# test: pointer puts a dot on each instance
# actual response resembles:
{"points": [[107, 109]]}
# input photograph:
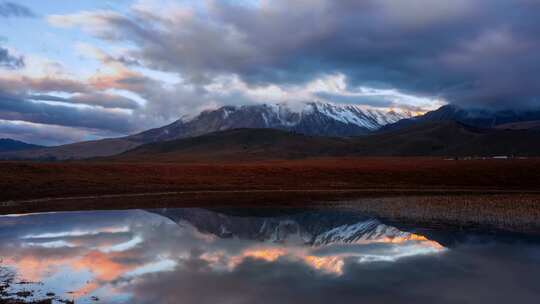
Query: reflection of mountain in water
{"points": [[312, 227]]}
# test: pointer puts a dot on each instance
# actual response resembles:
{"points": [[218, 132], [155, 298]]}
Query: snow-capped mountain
{"points": [[314, 118]]}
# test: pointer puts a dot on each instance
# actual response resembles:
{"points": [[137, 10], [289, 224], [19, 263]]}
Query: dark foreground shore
{"points": [[485, 194], [517, 213]]}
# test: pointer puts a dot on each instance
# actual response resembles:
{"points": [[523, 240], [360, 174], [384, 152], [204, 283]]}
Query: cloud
{"points": [[47, 135], [97, 102], [469, 53], [57, 109], [10, 61], [16, 108], [375, 101], [14, 10], [22, 84], [94, 99]]}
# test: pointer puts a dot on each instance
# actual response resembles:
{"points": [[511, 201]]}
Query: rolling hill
{"points": [[445, 138], [240, 144], [10, 145]]}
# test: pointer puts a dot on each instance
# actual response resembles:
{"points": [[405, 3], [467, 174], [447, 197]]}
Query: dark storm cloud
{"points": [[34, 92], [476, 53], [32, 99], [11, 9], [10, 61], [16, 108]]}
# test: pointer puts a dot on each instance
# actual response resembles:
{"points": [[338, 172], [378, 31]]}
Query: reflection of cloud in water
{"points": [[76, 233], [136, 256], [331, 258]]}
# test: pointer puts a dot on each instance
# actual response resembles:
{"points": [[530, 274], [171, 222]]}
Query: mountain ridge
{"points": [[473, 117], [447, 131], [442, 139]]}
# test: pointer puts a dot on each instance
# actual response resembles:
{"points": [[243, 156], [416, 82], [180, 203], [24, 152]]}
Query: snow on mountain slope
{"points": [[314, 118], [274, 115], [361, 116]]}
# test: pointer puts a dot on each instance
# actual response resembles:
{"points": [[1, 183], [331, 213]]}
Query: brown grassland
{"points": [[502, 194]]}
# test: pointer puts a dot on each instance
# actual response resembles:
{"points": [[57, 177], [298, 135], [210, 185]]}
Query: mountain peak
{"points": [[311, 118]]}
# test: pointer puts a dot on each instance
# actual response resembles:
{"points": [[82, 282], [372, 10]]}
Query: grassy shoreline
{"points": [[503, 194], [30, 180]]}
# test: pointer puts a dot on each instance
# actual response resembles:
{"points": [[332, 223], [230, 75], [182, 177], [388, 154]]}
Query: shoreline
{"points": [[499, 194], [512, 212]]}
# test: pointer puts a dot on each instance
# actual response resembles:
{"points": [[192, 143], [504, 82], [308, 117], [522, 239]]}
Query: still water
{"points": [[246, 256]]}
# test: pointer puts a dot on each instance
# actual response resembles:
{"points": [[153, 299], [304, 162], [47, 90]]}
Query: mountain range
{"points": [[315, 118], [316, 129], [445, 139]]}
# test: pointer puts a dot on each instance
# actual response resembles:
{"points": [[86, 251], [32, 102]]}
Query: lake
{"points": [[194, 255]]}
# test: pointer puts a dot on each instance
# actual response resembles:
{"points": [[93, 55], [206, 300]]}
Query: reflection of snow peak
{"points": [[363, 242], [323, 240], [371, 231]]}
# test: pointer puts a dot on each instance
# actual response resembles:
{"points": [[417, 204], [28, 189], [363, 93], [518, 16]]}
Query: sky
{"points": [[80, 70]]}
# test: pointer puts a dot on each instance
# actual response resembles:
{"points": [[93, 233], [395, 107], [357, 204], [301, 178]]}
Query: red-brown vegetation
{"points": [[502, 193], [29, 180]]}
